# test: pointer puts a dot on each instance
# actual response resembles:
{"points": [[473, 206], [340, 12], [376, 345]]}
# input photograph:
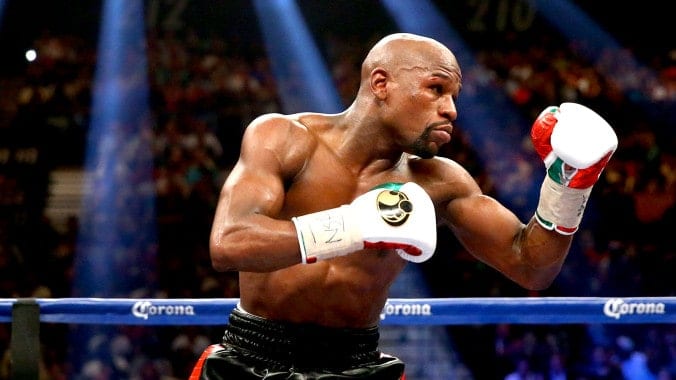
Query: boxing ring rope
{"points": [[26, 315], [397, 311]]}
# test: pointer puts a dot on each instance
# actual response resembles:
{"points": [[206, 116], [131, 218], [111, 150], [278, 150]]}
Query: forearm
{"points": [[392, 216], [541, 254], [257, 244], [575, 144]]}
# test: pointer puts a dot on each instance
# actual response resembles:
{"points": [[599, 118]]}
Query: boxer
{"points": [[323, 211]]}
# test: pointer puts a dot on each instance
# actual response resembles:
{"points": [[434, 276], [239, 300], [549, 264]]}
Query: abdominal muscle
{"points": [[347, 292]]}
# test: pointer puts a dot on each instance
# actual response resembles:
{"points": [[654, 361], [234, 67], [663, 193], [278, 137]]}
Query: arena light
{"points": [[31, 55], [485, 114], [117, 234], [115, 252], [304, 83]]}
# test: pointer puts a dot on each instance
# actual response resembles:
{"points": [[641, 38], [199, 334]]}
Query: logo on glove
{"points": [[394, 207]]}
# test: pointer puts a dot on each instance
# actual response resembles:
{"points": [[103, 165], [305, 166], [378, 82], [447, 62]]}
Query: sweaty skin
{"points": [[297, 164]]}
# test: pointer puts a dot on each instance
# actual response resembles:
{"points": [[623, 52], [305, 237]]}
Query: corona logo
{"points": [[617, 307], [406, 309], [146, 309]]}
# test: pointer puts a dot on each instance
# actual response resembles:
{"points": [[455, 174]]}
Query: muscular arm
{"points": [[245, 235], [526, 253], [531, 255]]}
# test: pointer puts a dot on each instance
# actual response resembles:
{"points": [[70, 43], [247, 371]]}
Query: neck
{"points": [[365, 142]]}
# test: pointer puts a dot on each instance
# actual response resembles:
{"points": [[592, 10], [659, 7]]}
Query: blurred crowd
{"points": [[204, 91]]}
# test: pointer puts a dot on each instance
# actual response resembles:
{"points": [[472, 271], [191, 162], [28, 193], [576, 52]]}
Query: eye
{"points": [[438, 89]]}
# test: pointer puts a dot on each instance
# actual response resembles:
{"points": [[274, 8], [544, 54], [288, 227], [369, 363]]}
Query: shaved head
{"points": [[408, 88], [408, 51]]}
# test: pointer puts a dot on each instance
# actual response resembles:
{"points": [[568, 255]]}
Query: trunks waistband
{"points": [[301, 345]]}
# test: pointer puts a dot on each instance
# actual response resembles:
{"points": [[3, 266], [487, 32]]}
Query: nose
{"points": [[447, 108]]}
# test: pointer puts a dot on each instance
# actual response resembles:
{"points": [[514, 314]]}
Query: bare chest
{"points": [[326, 184]]}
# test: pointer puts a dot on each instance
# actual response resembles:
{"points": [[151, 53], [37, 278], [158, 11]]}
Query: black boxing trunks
{"points": [[256, 348]]}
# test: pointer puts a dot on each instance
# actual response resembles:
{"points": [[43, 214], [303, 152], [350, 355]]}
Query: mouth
{"points": [[441, 134]]}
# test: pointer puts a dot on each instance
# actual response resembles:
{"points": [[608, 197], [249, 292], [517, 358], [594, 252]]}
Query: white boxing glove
{"points": [[581, 137], [575, 144], [390, 216]]}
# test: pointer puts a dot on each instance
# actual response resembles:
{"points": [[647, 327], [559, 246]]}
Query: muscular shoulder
{"points": [[444, 179], [279, 137], [276, 128]]}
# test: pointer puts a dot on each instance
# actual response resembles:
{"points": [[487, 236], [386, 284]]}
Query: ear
{"points": [[379, 79]]}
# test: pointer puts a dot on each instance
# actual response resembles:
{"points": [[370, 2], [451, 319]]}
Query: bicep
{"points": [[247, 232], [252, 188], [256, 184], [487, 229]]}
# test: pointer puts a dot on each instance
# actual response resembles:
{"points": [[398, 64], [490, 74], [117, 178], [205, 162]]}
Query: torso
{"points": [[348, 291]]}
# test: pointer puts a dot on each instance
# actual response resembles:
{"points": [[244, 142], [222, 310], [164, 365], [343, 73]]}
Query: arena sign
{"points": [[146, 309], [618, 307], [406, 309]]}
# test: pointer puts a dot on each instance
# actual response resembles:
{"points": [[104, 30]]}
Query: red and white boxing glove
{"points": [[390, 216], [575, 144]]}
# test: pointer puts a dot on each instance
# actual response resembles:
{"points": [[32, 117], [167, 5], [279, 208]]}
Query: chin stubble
{"points": [[420, 146]]}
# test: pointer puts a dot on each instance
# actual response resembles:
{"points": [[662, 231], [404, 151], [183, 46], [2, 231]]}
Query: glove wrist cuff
{"points": [[561, 208], [326, 234]]}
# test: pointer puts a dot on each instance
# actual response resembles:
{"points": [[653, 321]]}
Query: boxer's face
{"points": [[427, 108]]}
